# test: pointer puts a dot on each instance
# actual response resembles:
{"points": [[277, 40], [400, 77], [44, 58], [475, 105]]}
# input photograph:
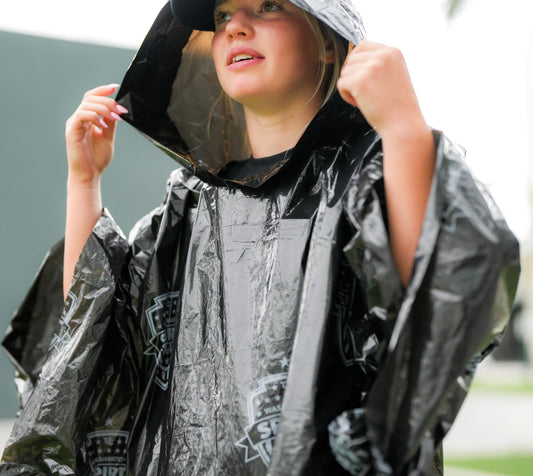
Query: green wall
{"points": [[41, 83]]}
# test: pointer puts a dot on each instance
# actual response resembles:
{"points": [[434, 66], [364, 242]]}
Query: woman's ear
{"points": [[330, 55]]}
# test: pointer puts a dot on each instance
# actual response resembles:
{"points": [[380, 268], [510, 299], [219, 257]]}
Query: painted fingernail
{"points": [[102, 122], [115, 116], [122, 109]]}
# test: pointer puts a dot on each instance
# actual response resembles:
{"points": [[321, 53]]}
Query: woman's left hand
{"points": [[375, 79]]}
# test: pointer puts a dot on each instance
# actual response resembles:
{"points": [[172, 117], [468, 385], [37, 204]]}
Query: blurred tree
{"points": [[453, 6]]}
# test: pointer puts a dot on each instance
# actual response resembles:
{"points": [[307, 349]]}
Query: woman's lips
{"points": [[240, 57], [244, 64]]}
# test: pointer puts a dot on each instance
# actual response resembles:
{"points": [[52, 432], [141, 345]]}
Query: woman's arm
{"points": [[375, 79], [90, 135]]}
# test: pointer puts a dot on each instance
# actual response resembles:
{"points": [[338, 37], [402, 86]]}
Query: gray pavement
{"points": [[492, 423], [496, 421]]}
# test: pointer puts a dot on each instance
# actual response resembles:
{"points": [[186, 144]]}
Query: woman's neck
{"points": [[272, 133]]}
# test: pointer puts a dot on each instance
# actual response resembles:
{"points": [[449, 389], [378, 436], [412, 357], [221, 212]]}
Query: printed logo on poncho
{"points": [[264, 410], [162, 321], [342, 313], [106, 452], [64, 335]]}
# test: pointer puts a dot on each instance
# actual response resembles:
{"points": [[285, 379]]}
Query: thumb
{"points": [[346, 94], [109, 131]]}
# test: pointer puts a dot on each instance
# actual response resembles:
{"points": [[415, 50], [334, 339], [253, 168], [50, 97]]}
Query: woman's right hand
{"points": [[90, 134]]}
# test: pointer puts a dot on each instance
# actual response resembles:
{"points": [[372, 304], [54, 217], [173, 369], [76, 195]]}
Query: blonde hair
{"points": [[329, 44]]}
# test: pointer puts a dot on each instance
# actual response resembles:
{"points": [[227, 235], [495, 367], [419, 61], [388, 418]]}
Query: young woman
{"points": [[313, 294]]}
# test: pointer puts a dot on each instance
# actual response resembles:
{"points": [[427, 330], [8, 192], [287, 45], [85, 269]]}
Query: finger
{"points": [[345, 92], [356, 60], [109, 131], [366, 45], [102, 90], [347, 97], [109, 102], [108, 111], [84, 118], [379, 55]]}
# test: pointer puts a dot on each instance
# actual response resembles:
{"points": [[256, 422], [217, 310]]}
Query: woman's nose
{"points": [[240, 25]]}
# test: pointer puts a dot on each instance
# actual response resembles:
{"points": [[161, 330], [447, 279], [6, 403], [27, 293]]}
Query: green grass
{"points": [[510, 465], [511, 387]]}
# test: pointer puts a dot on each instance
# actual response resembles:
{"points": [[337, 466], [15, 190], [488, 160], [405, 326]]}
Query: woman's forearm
{"points": [[408, 165], [84, 208]]}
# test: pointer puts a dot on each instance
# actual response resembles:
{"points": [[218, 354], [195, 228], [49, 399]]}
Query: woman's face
{"points": [[265, 53]]}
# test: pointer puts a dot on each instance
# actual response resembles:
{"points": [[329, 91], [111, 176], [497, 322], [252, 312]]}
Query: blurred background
{"points": [[471, 62]]}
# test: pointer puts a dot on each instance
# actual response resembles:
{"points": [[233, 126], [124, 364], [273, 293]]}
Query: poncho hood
{"points": [[174, 97]]}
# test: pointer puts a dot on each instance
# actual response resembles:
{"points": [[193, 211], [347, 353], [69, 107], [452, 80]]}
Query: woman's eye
{"points": [[271, 6], [222, 17]]}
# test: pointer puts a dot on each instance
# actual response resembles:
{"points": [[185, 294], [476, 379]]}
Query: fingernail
{"points": [[102, 122], [115, 86], [122, 109], [115, 116]]}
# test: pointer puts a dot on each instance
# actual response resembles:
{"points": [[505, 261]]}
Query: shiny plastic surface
{"points": [[258, 327], [341, 15]]}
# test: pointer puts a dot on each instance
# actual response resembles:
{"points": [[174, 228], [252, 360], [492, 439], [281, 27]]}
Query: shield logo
{"points": [[106, 452], [161, 319], [264, 410]]}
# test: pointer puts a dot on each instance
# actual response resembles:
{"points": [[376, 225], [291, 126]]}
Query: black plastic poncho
{"points": [[258, 327]]}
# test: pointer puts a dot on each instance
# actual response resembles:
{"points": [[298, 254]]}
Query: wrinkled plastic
{"points": [[258, 327], [340, 15]]}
